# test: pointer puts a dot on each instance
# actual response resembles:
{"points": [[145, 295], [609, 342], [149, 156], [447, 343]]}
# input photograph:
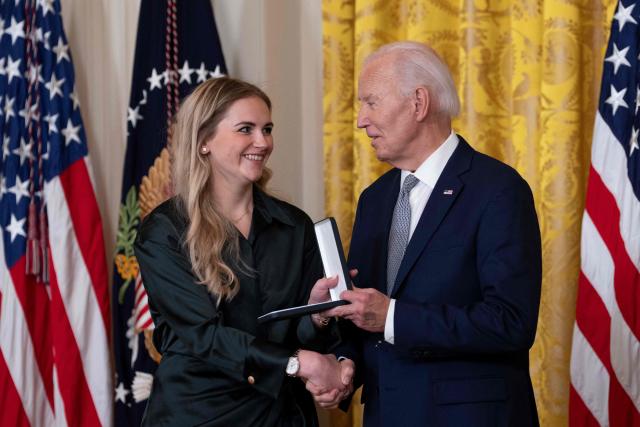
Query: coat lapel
{"points": [[444, 194]]}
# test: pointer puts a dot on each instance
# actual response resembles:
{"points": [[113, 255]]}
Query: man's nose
{"points": [[363, 120]]}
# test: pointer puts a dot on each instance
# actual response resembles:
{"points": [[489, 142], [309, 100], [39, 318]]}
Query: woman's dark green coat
{"points": [[219, 366]]}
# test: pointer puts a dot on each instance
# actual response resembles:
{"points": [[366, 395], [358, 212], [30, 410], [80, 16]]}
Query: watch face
{"points": [[293, 366]]}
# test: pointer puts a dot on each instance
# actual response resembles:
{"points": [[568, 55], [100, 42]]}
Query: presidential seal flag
{"points": [[605, 357], [177, 48], [54, 295]]}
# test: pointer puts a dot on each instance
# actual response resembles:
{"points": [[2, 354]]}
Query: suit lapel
{"points": [[444, 194]]}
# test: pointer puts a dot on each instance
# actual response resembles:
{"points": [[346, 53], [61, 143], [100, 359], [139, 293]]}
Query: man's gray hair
{"points": [[419, 65]]}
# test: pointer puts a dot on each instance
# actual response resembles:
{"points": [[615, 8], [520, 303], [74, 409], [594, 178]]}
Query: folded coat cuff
{"points": [[265, 367]]}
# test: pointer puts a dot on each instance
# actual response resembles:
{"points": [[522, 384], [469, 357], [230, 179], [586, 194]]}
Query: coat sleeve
{"points": [[186, 307], [508, 259]]}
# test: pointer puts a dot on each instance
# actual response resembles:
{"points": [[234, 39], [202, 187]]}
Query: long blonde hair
{"points": [[209, 235]]}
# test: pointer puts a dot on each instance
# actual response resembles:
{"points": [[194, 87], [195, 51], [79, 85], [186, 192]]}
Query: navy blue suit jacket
{"points": [[467, 296]]}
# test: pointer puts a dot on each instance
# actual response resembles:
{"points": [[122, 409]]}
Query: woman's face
{"points": [[242, 142]]}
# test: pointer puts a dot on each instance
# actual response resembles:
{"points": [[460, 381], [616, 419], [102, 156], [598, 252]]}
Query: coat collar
{"points": [[268, 209]]}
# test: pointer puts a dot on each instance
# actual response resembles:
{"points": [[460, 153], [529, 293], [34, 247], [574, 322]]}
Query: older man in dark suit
{"points": [[447, 248]]}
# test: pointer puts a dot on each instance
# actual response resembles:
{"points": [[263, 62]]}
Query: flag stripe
{"points": [[78, 404], [593, 388], [602, 209], [61, 418], [85, 216], [13, 413], [142, 315], [145, 323], [609, 160], [599, 269], [35, 305], [625, 360], [19, 356], [597, 264], [83, 309], [594, 320], [140, 294], [626, 354], [143, 318], [579, 414], [621, 409]]}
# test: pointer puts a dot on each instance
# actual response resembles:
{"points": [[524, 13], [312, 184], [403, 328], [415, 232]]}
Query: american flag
{"points": [[54, 331], [177, 48], [605, 358]]}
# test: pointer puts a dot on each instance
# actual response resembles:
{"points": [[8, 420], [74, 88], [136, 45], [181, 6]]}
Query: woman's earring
{"points": [[204, 150]]}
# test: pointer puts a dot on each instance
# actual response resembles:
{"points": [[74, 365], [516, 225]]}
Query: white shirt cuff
{"points": [[388, 324]]}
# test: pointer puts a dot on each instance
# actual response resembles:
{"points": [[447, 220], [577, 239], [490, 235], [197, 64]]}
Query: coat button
{"points": [[251, 380]]}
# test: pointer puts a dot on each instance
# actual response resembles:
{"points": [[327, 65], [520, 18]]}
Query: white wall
{"points": [[278, 45], [274, 43]]}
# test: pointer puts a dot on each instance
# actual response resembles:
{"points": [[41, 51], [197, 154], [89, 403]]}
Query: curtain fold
{"points": [[528, 74]]}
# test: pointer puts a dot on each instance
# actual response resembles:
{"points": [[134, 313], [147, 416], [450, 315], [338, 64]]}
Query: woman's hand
{"points": [[320, 291]]}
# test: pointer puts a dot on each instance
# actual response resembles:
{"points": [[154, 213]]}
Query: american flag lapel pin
{"points": [[447, 192]]}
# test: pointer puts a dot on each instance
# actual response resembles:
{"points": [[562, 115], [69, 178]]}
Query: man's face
{"points": [[385, 114]]}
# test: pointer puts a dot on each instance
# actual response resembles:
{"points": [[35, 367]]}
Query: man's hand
{"points": [[323, 374], [368, 308], [331, 398]]}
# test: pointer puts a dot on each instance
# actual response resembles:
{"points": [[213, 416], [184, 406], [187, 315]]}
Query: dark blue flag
{"points": [[177, 48]]}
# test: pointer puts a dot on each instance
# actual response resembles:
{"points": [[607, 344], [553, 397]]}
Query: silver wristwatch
{"points": [[293, 366]]}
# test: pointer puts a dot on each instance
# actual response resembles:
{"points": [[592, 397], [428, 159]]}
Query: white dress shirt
{"points": [[427, 173]]}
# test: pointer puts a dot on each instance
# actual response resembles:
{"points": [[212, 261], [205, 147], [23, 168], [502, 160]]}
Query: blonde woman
{"points": [[218, 255]]}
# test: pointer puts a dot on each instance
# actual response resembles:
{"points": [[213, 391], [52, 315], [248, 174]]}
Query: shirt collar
{"points": [[268, 209], [429, 171]]}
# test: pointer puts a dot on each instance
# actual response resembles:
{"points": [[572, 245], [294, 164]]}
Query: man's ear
{"points": [[422, 102]]}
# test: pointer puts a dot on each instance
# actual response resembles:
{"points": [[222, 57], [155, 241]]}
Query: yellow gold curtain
{"points": [[528, 74]]}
